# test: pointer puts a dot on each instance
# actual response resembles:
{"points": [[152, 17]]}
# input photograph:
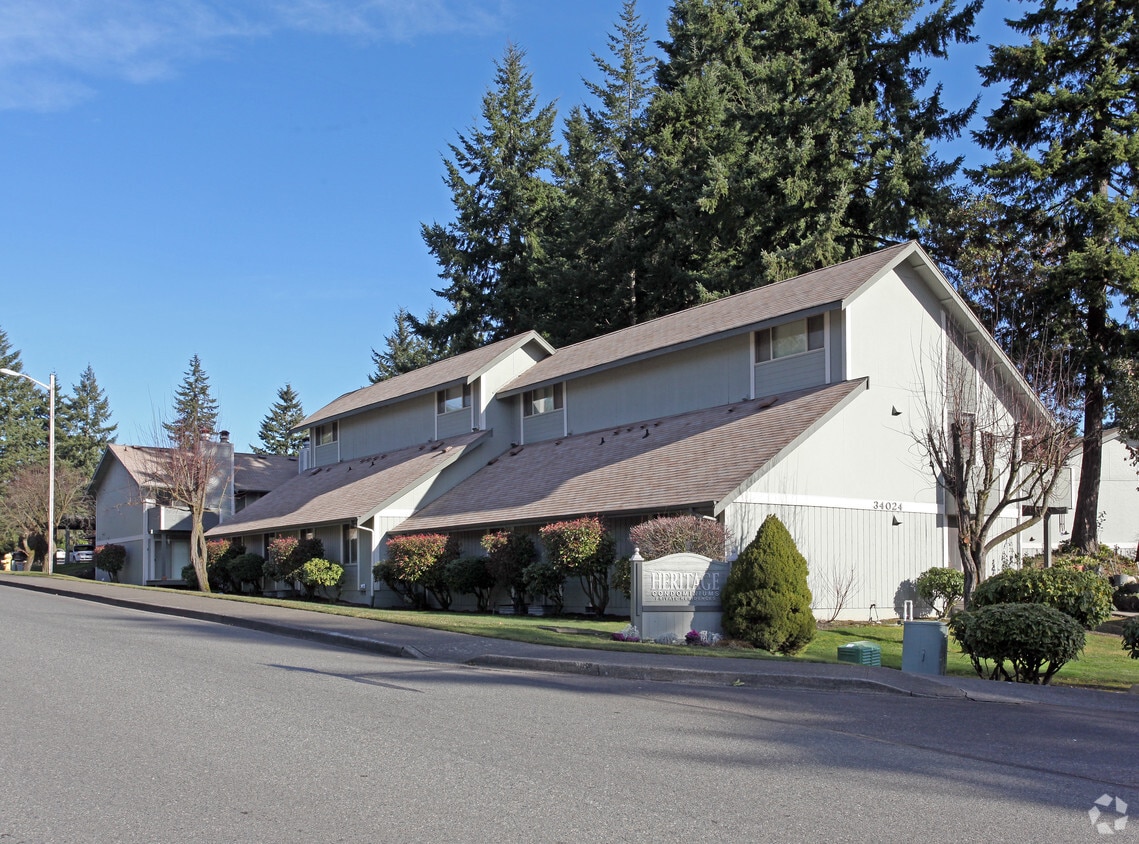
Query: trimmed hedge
{"points": [[1083, 595], [940, 586], [1034, 640]]}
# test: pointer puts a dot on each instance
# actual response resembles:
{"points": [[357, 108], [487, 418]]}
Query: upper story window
{"points": [[327, 433], [453, 398], [542, 400], [791, 338]]}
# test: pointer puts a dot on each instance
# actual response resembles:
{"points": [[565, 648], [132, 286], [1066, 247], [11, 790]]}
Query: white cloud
{"points": [[54, 53]]}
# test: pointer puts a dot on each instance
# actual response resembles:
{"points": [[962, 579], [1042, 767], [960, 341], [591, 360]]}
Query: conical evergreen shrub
{"points": [[765, 600]]}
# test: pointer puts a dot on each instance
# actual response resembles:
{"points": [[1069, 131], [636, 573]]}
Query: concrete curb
{"points": [[703, 676], [327, 637]]}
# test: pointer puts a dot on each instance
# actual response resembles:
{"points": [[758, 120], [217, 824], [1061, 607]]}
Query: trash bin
{"points": [[924, 646]]}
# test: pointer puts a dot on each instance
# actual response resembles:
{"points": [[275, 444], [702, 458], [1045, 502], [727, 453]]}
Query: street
{"points": [[124, 726]]}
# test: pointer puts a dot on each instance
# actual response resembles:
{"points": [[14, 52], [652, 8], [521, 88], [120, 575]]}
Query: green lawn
{"points": [[1103, 665]]}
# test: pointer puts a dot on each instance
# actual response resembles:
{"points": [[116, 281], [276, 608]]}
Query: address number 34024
{"points": [[893, 506]]}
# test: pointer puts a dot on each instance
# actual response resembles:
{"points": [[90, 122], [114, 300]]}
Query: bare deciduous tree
{"points": [[23, 505], [996, 449]]}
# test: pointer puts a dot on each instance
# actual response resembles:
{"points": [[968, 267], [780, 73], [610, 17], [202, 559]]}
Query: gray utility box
{"points": [[924, 645]]}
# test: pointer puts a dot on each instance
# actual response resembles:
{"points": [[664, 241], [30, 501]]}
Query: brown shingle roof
{"points": [[697, 458], [458, 369], [256, 473], [352, 489], [722, 317]]}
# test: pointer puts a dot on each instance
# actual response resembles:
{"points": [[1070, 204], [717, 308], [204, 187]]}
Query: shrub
{"points": [[219, 553], [546, 581], [766, 601], [509, 554], [287, 556], [1131, 637], [111, 558], [1035, 640], [471, 576], [622, 578], [940, 585], [677, 534], [246, 569], [421, 559], [583, 549], [1083, 595], [386, 572], [319, 573]]}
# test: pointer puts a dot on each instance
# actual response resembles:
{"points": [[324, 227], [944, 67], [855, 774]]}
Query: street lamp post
{"points": [[49, 563]]}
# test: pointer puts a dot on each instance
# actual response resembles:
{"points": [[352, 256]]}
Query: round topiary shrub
{"points": [[766, 601], [941, 588], [246, 570], [1083, 595], [1027, 643], [319, 573], [1126, 597]]}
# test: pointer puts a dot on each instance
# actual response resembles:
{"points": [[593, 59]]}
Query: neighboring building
{"points": [[133, 507], [799, 398], [1118, 496]]}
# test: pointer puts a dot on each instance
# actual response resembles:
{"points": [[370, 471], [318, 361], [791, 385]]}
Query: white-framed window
{"points": [[327, 433], [542, 400], [790, 338], [453, 398]]}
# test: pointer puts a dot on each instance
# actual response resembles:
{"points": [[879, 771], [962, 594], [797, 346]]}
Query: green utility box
{"points": [[861, 653]]}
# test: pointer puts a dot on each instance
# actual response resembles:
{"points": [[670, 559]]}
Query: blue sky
{"points": [[245, 180]]}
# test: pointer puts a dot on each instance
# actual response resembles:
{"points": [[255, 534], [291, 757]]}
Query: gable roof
{"points": [[805, 295], [251, 472], [350, 490], [701, 458], [459, 369]]}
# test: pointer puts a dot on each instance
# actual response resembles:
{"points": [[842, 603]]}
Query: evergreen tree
{"points": [[195, 409], [85, 424], [788, 136], [766, 600], [1067, 169], [23, 416], [276, 434], [492, 252], [405, 349], [596, 260]]}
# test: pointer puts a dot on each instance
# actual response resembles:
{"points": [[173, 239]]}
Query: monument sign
{"points": [[677, 593]]}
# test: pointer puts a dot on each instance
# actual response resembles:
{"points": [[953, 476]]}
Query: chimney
{"points": [[223, 436]]}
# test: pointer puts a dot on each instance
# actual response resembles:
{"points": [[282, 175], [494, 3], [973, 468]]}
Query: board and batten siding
{"points": [[714, 374], [886, 549], [387, 428], [796, 372], [544, 426]]}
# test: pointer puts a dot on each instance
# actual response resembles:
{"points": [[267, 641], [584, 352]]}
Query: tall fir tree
{"points": [[1067, 168], [595, 264], [195, 408], [492, 252], [23, 416], [276, 433], [85, 424], [405, 349], [787, 136]]}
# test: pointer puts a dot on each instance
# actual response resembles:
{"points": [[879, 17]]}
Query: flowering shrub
{"points": [[287, 556], [692, 637], [421, 560], [678, 534], [582, 548], [701, 637], [111, 559], [629, 633]]}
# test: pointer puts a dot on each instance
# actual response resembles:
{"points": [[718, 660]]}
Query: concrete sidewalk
{"points": [[457, 648]]}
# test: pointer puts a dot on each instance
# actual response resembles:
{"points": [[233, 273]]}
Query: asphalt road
{"points": [[123, 726]]}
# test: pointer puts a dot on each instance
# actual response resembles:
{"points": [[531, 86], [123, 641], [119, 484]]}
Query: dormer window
{"points": [[327, 434], [542, 400], [791, 338], [453, 398]]}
